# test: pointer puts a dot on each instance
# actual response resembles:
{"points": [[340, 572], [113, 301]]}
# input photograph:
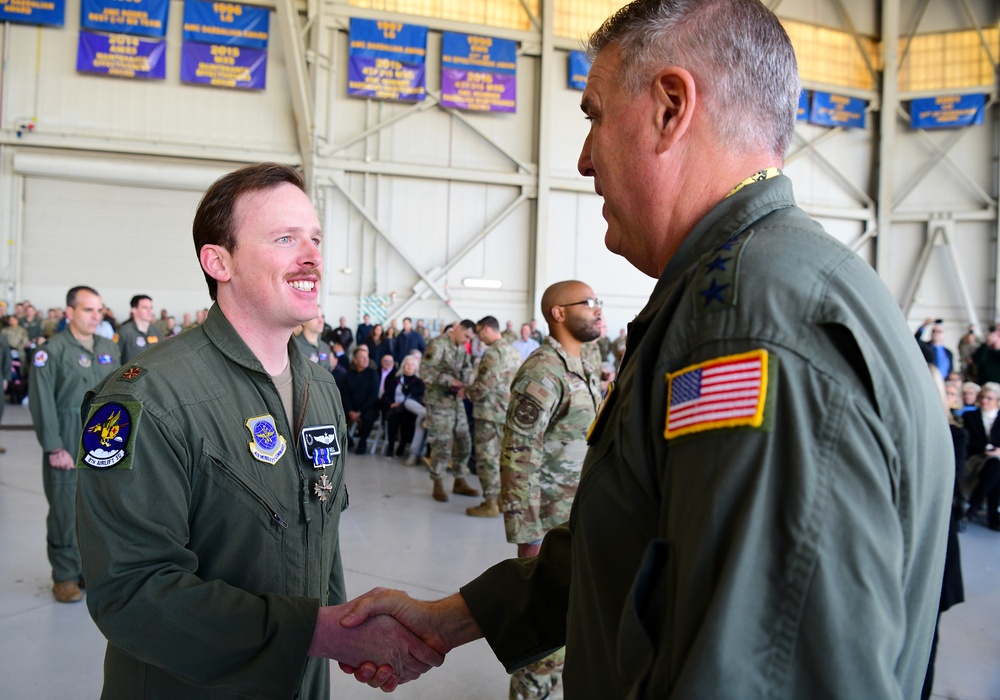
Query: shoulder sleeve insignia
{"points": [[726, 392], [525, 414], [41, 357], [109, 436]]}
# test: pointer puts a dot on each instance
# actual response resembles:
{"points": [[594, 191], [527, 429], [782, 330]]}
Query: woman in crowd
{"points": [[402, 390]]}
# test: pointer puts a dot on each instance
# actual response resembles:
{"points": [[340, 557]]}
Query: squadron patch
{"points": [[267, 446], [109, 436], [84, 361], [725, 392], [41, 357], [526, 413], [104, 359], [320, 444]]}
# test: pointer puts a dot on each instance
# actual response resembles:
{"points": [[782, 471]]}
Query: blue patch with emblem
{"points": [[267, 445], [324, 356], [41, 357], [104, 359], [108, 436], [84, 361]]}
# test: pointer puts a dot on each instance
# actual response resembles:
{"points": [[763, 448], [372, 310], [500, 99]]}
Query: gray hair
{"points": [[738, 52]]}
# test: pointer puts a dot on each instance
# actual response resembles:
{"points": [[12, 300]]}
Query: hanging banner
{"points": [[803, 112], [478, 73], [579, 67], [226, 23], [386, 60], [947, 112], [223, 66], [143, 17], [51, 13], [121, 56], [837, 110]]}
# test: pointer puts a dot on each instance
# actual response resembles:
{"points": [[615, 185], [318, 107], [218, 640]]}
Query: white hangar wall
{"points": [[417, 199]]}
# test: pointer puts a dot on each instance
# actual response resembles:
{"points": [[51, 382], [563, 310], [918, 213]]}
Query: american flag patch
{"points": [[721, 393]]}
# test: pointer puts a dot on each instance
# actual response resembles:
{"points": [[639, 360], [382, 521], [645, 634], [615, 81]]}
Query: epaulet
{"points": [[716, 280], [131, 373]]}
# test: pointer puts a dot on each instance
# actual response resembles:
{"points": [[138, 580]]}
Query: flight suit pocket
{"points": [[644, 616], [235, 519]]}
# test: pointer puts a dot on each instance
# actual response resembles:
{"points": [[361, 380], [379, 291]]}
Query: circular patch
{"points": [[526, 413], [106, 436], [314, 357], [140, 342], [41, 357], [84, 361]]}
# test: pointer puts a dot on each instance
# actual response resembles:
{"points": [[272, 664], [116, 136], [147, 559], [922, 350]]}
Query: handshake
{"points": [[385, 638]]}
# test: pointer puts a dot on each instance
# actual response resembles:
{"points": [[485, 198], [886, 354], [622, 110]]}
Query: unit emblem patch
{"points": [[108, 436], [267, 446]]}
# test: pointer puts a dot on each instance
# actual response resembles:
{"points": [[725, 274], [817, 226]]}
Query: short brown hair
{"points": [[214, 222]]}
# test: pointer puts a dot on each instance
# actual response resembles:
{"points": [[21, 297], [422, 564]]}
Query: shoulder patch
{"points": [[525, 414], [725, 392], [41, 357], [109, 436], [716, 282]]}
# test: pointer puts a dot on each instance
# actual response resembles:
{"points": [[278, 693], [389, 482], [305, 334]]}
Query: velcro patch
{"points": [[109, 436], [526, 413], [726, 392]]}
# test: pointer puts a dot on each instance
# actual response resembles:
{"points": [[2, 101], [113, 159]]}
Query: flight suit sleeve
{"points": [[521, 604], [786, 543], [533, 401], [42, 398], [133, 530]]}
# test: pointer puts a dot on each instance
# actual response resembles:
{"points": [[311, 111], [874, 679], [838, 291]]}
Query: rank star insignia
{"points": [[323, 488]]}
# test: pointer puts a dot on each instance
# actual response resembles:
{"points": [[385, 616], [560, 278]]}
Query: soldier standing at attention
{"points": [[312, 346], [553, 402], [62, 371], [490, 394], [445, 370], [139, 332]]}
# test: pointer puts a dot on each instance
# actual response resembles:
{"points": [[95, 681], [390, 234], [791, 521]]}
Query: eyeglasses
{"points": [[591, 302]]}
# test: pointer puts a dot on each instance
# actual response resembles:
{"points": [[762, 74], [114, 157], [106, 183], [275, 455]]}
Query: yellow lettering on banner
{"points": [[26, 7], [389, 29], [122, 66], [223, 75]]}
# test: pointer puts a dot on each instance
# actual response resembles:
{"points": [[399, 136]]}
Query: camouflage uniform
{"points": [[509, 336], [618, 349], [446, 423], [554, 400], [591, 352], [490, 394]]}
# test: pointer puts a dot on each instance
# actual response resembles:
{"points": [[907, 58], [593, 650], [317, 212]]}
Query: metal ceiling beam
{"points": [[887, 134], [303, 106]]}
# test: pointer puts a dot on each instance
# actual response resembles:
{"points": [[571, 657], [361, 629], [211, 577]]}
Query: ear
{"points": [[675, 96], [558, 314], [216, 262]]}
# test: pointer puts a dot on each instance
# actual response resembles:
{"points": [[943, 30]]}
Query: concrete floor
{"points": [[393, 535]]}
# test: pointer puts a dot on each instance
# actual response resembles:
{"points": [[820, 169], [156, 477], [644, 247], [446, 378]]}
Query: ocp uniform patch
{"points": [[109, 435], [526, 413]]}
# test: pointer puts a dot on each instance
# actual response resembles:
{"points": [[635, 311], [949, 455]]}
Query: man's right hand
{"points": [[61, 459]]}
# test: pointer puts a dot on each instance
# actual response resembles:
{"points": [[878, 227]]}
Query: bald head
{"points": [[573, 314]]}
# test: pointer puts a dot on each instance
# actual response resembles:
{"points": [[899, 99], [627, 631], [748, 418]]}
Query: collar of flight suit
{"points": [[224, 337], [726, 220]]}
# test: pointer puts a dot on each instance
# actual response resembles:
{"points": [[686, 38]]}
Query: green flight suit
{"points": [[206, 564], [798, 558], [62, 371], [131, 341], [318, 354]]}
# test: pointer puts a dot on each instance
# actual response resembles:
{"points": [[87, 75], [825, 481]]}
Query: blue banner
{"points": [[837, 110], [121, 55], [386, 60], [143, 17], [579, 67], [803, 112], [226, 23], [947, 112], [222, 65], [478, 73], [48, 12]]}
